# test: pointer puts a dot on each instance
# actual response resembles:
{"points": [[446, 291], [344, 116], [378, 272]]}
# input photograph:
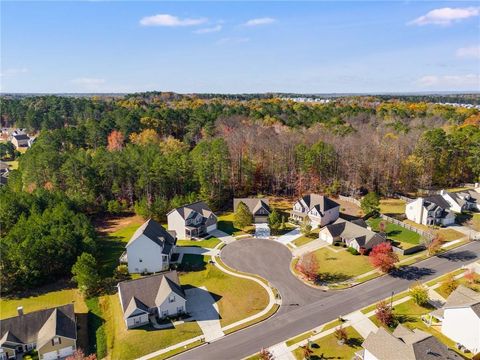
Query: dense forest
{"points": [[152, 151]]}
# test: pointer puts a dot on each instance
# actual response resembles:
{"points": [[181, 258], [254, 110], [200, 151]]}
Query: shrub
{"points": [[353, 251], [384, 313], [449, 284], [341, 334], [419, 294]]}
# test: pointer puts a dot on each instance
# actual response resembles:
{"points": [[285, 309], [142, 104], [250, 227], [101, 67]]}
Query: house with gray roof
{"points": [[150, 248], [432, 210], [318, 209], [352, 234], [52, 332], [460, 318], [404, 344], [259, 207], [159, 296], [192, 221], [20, 140], [462, 200]]}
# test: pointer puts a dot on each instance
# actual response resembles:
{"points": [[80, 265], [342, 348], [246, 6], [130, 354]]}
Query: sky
{"points": [[240, 47]]}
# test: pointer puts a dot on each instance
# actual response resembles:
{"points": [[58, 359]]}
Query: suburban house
{"points": [[475, 194], [51, 332], [404, 344], [149, 249], [20, 140], [320, 210], [460, 318], [460, 201], [432, 210], [150, 297], [352, 234], [192, 221], [259, 208], [4, 168]]}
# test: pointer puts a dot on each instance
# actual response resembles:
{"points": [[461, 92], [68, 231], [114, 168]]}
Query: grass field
{"points": [[396, 232], [392, 206], [207, 243], [328, 348], [302, 240]]}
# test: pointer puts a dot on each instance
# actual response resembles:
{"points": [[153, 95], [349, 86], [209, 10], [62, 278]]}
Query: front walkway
{"points": [[204, 309], [262, 231], [222, 236], [281, 352], [195, 250], [309, 247], [361, 323], [289, 236]]}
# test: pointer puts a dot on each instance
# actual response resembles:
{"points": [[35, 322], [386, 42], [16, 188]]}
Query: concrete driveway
{"points": [[262, 231], [289, 236], [271, 260]]}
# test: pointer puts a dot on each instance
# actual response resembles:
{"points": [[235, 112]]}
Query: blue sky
{"points": [[240, 47]]}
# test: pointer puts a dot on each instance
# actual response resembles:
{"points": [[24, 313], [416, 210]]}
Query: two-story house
{"points": [[259, 208], [433, 210], [149, 249], [159, 295], [460, 201], [319, 209], [192, 221], [52, 332]]}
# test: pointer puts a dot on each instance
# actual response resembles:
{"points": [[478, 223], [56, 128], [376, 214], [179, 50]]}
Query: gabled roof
{"points": [[148, 292], [464, 297], [320, 202], [39, 326], [351, 230], [199, 207], [253, 204], [155, 232], [437, 200]]}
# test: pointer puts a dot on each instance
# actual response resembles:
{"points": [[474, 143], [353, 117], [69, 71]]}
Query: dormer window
{"points": [[171, 298], [56, 341]]}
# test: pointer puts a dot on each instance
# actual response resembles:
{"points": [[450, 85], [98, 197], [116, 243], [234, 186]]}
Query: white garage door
{"points": [[211, 227], [50, 355], [66, 351]]}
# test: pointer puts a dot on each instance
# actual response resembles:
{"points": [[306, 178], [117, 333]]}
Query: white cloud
{"points": [[170, 20], [13, 72], [446, 16], [450, 82], [470, 52], [208, 30], [232, 40], [260, 21], [88, 81]]}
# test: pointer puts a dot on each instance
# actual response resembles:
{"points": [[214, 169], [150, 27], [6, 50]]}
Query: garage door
{"points": [[211, 227], [261, 219], [66, 351], [50, 355]]}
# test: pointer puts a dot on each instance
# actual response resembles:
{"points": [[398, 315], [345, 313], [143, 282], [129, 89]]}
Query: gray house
{"points": [[259, 208], [159, 295], [192, 221]]}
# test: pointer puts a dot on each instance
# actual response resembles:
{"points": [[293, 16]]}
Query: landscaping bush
{"points": [[384, 314], [353, 251], [449, 284], [419, 294]]}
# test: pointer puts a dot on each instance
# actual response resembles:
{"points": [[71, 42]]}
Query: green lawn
{"points": [[396, 232], [328, 348], [462, 281], [476, 221], [237, 298], [225, 224], [341, 265], [13, 164], [206, 243], [8, 307], [302, 240], [392, 206]]}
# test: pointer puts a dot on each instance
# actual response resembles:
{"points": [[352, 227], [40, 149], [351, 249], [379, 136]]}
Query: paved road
{"points": [[287, 324]]}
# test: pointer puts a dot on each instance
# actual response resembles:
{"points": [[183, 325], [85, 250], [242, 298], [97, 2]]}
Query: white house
{"points": [[461, 318], [433, 210], [352, 234], [320, 210], [404, 344], [460, 201], [259, 208], [149, 249], [159, 295], [192, 221]]}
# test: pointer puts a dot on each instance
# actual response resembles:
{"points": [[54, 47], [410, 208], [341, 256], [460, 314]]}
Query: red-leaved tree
{"points": [[383, 257], [115, 140], [308, 266], [80, 355], [384, 313]]}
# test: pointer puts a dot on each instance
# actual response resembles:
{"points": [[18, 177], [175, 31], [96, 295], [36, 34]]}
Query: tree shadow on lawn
{"points": [[191, 262], [109, 250], [411, 272], [58, 285], [227, 226], [455, 256], [329, 277], [394, 232]]}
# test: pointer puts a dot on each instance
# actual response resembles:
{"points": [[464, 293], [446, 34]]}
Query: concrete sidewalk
{"points": [[281, 352]]}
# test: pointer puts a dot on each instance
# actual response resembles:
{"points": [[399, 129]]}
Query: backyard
{"points": [[328, 348], [225, 224], [406, 238], [392, 206]]}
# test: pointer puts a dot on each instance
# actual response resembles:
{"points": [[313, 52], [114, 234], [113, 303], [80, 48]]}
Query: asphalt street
{"points": [[315, 307]]}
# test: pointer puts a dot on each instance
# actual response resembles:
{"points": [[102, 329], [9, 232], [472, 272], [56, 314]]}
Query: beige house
{"points": [[157, 296], [259, 208], [52, 332], [192, 221], [319, 209], [21, 141]]}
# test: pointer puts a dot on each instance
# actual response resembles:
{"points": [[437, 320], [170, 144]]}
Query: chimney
{"points": [[20, 310]]}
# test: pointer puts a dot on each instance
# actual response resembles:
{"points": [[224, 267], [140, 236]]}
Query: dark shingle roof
{"points": [[438, 200], [157, 233], [253, 204], [199, 207], [320, 202], [150, 291], [21, 137], [42, 324]]}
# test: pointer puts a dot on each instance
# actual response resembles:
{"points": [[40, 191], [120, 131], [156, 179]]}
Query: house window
{"points": [[179, 309], [56, 341], [140, 260], [172, 298]]}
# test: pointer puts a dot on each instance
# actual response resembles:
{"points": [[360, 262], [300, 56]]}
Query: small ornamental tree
{"points": [[419, 294], [274, 221], [370, 204], [470, 276], [341, 335], [435, 245], [85, 274], [80, 355], [308, 266], [242, 217], [265, 355], [382, 226], [449, 284], [307, 352], [382, 257], [384, 313], [306, 227]]}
